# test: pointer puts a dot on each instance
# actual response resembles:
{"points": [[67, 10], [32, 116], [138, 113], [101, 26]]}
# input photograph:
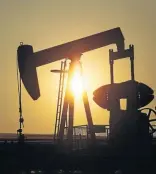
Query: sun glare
{"points": [[76, 84]]}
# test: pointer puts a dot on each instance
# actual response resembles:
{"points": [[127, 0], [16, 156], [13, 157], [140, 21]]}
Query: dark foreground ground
{"points": [[45, 157]]}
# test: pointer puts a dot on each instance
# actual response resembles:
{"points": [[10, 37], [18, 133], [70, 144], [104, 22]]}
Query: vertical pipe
{"points": [[131, 47], [111, 61], [71, 121]]}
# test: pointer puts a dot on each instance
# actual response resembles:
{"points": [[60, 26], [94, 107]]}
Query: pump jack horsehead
{"points": [[28, 61]]}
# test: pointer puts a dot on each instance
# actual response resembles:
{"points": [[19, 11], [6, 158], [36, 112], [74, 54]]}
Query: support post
{"points": [[68, 109]]}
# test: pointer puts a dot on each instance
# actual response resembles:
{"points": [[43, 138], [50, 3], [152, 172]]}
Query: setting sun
{"points": [[76, 84]]}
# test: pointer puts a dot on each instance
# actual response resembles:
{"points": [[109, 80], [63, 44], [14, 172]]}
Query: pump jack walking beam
{"points": [[28, 60]]}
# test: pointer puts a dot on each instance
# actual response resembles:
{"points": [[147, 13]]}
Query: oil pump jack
{"points": [[28, 61]]}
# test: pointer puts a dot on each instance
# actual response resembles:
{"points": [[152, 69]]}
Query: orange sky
{"points": [[48, 23]]}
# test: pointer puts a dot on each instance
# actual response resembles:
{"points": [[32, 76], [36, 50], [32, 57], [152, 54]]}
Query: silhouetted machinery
{"points": [[28, 62], [126, 124], [130, 127]]}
